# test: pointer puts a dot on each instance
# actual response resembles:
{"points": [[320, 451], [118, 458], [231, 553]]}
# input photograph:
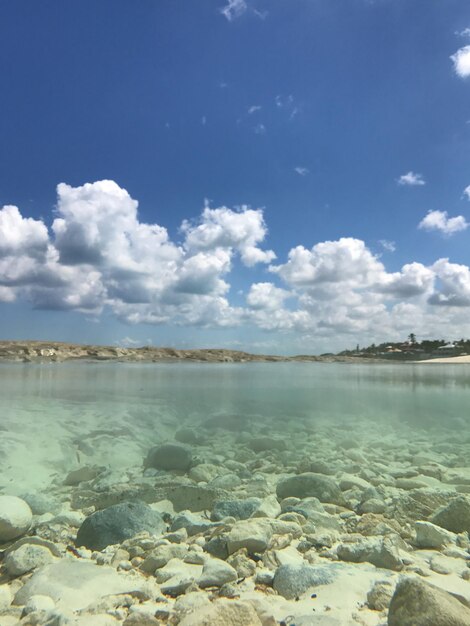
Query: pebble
{"points": [[308, 485], [291, 581], [250, 534], [215, 573]]}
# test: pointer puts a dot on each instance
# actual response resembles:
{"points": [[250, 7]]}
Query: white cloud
{"points": [[389, 246], [411, 179], [99, 256], [466, 192], [439, 220], [18, 234], [461, 60], [266, 296], [302, 171], [254, 108], [260, 129], [234, 9], [463, 33], [231, 230]]}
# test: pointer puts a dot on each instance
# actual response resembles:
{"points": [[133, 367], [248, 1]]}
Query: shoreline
{"points": [[38, 351]]}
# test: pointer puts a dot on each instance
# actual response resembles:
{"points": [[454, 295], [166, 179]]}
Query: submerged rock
{"points": [[239, 509], [253, 535], [310, 485], [15, 518], [117, 523], [223, 613], [291, 581], [454, 516], [216, 573], [416, 603], [26, 558], [170, 456], [431, 536]]}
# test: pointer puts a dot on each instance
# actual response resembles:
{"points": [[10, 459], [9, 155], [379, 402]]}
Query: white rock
{"points": [[39, 603], [431, 536], [250, 534], [5, 597], [269, 507], [216, 573], [26, 558], [15, 518]]}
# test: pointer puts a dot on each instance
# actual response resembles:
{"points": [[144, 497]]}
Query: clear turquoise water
{"points": [[54, 415]]}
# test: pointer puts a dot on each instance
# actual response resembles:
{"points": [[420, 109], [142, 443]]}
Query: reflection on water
{"points": [[414, 393]]}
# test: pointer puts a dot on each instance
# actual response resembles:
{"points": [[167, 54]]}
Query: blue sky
{"points": [[316, 153]]}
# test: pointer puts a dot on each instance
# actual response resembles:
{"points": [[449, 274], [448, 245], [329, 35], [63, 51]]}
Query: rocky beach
{"points": [[236, 521]]}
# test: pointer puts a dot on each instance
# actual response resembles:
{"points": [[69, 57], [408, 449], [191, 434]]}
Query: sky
{"points": [[283, 176]]}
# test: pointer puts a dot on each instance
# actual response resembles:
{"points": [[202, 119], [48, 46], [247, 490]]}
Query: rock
{"points": [[416, 603], [264, 444], [204, 472], [118, 522], [216, 573], [26, 558], [39, 503], [195, 497], [244, 566], [170, 456], [39, 603], [74, 584], [190, 602], [217, 546], [373, 505], [454, 516], [308, 485], [431, 536], [350, 481], [378, 598], [291, 581], [194, 524], [381, 552], [5, 598], [82, 474], [234, 423], [187, 435], [223, 613], [269, 507], [239, 509], [161, 555], [15, 518], [250, 534]]}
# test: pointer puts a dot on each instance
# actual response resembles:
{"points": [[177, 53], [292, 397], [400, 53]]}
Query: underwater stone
{"points": [[216, 573], [117, 523], [39, 503], [26, 558], [15, 517], [420, 604], [454, 516], [239, 509], [170, 456], [310, 485], [291, 581], [253, 535], [431, 536]]}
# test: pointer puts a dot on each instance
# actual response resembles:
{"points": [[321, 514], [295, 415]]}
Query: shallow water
{"points": [[55, 416]]}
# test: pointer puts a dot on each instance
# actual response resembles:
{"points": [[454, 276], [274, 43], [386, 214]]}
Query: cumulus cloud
{"points": [[439, 220], [411, 179], [230, 230], [21, 235], [99, 256], [253, 109], [461, 60], [302, 171]]}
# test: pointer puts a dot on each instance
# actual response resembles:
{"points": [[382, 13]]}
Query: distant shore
{"points": [[37, 351]]}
